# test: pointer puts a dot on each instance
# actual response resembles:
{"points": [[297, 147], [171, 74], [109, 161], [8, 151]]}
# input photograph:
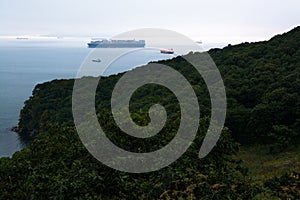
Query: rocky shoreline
{"points": [[29, 135], [16, 129]]}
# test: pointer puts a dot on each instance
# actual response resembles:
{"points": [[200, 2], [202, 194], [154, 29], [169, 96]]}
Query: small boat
{"points": [[96, 60], [167, 51]]}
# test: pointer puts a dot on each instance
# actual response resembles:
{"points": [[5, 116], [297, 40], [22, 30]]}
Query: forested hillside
{"points": [[262, 83]]}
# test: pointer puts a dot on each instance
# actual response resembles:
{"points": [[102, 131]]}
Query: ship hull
{"points": [[167, 51], [114, 46], [117, 44]]}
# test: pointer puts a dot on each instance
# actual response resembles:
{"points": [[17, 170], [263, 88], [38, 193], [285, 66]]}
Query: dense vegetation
{"points": [[263, 86], [262, 83]]}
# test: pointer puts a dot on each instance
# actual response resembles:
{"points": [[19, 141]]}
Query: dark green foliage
{"points": [[50, 101], [263, 88], [285, 187], [57, 166]]}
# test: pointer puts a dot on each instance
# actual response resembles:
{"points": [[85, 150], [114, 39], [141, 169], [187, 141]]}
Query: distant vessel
{"points": [[96, 60], [117, 44], [165, 51]]}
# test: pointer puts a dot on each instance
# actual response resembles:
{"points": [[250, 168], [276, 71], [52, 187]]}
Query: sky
{"points": [[209, 21]]}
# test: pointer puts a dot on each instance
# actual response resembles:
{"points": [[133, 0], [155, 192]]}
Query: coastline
{"points": [[24, 137]]}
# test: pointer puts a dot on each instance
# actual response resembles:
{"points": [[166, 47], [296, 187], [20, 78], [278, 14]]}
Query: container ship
{"points": [[117, 44]]}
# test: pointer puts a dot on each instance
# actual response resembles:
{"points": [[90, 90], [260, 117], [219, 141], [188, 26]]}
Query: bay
{"points": [[25, 63]]}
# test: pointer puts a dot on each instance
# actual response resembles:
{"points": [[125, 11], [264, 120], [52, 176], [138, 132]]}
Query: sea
{"points": [[27, 62]]}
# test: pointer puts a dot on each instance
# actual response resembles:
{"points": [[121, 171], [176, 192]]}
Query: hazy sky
{"points": [[211, 20]]}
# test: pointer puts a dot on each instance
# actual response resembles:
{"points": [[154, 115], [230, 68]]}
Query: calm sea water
{"points": [[24, 63]]}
